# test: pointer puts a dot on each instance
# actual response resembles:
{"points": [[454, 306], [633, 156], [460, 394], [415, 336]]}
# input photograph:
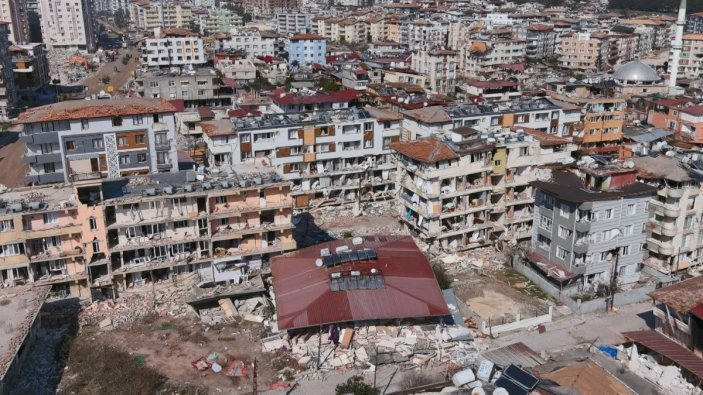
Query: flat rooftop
{"points": [[661, 167], [38, 198], [187, 182], [18, 316]]}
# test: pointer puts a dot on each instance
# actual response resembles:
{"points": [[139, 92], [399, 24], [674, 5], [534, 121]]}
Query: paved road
{"points": [[574, 330], [12, 168]]}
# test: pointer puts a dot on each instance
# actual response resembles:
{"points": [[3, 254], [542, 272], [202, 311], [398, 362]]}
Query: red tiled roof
{"points": [[79, 109], [242, 112], [304, 297], [281, 97], [205, 113], [307, 37], [658, 343], [695, 110], [493, 84], [426, 151]]}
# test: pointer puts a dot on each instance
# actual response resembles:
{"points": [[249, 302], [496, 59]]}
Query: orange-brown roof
{"points": [[693, 36], [220, 127], [540, 27], [82, 109], [479, 47], [426, 151]]}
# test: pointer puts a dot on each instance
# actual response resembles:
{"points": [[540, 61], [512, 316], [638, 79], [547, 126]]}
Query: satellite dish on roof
{"points": [[318, 262]]}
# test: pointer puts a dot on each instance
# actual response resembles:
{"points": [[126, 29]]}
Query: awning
{"points": [[658, 343]]}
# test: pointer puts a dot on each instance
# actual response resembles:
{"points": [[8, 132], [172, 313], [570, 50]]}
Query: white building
{"points": [[173, 48], [252, 41], [440, 67], [15, 13], [293, 22], [147, 16], [67, 25]]}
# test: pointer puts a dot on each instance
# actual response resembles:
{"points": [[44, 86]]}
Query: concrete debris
{"points": [[165, 300], [645, 366], [229, 310], [364, 347], [484, 258]]}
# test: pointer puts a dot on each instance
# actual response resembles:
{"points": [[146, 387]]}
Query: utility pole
{"points": [[614, 278], [253, 385]]}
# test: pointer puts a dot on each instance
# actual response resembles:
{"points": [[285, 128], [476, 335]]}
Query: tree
{"points": [[121, 18], [328, 85], [356, 386]]}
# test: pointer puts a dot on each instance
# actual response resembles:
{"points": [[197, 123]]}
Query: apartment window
{"points": [[70, 145], [245, 138], [545, 222], [562, 253], [141, 158], [116, 121], [292, 134], [543, 241], [96, 246], [124, 159], [122, 141], [11, 250], [84, 124], [7, 225], [98, 143], [221, 200], [93, 223], [180, 224], [564, 210], [161, 139], [605, 256], [625, 250], [565, 233], [46, 148], [607, 214], [162, 158], [139, 139], [631, 209], [524, 151], [51, 218], [627, 230], [49, 168], [138, 119], [497, 162]]}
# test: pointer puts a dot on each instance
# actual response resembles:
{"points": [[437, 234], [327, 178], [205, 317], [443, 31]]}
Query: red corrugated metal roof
{"points": [[697, 311], [304, 297], [658, 343]]}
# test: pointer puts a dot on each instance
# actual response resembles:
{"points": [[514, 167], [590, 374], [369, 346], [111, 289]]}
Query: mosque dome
{"points": [[636, 71]]}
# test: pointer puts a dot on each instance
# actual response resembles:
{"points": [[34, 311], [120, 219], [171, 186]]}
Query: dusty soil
{"points": [[498, 294], [169, 346], [118, 79]]}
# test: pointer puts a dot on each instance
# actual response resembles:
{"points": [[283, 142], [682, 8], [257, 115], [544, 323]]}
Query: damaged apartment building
{"points": [[94, 234], [465, 188], [336, 155], [218, 226]]}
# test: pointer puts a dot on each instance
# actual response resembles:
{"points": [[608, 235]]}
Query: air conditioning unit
{"points": [[188, 187], [150, 191], [207, 185], [16, 207], [168, 190], [34, 205], [225, 184]]}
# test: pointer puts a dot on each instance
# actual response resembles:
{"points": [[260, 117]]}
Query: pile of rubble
{"points": [[134, 305], [668, 377], [348, 217], [478, 258], [70, 66], [229, 310], [370, 346]]}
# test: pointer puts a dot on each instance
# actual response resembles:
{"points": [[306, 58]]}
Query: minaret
{"points": [[676, 47]]}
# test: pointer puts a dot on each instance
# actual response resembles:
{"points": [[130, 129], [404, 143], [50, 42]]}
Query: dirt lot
{"points": [[168, 347], [118, 80], [13, 168], [500, 293]]}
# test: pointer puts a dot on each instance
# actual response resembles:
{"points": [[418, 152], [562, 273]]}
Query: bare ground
{"points": [[167, 348]]}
